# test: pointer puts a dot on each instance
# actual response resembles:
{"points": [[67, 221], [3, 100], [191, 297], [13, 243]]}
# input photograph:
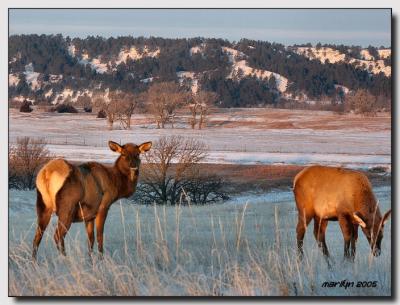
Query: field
{"points": [[244, 246], [235, 136]]}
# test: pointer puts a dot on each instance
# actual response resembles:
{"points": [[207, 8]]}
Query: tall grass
{"points": [[214, 250]]}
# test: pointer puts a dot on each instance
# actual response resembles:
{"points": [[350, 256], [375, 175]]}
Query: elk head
{"points": [[129, 161], [373, 229]]}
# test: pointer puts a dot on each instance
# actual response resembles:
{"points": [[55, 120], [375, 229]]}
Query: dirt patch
{"points": [[245, 178]]}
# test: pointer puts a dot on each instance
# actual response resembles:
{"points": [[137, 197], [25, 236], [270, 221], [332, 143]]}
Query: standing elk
{"points": [[84, 192], [329, 193]]}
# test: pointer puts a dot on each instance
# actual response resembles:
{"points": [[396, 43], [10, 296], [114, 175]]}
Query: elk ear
{"points": [[145, 147], [115, 146], [357, 219], [386, 216]]}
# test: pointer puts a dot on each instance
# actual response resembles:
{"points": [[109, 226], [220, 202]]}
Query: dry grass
{"points": [[230, 249]]}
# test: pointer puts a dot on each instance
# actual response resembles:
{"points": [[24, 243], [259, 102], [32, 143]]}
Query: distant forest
{"points": [[50, 55]]}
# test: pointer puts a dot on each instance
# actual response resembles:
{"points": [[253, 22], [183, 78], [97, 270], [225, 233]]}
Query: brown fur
{"points": [[84, 192], [343, 195]]}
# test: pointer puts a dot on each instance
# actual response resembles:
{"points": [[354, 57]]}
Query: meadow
{"points": [[244, 247]]}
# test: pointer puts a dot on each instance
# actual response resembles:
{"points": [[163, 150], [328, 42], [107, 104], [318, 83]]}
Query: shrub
{"points": [[26, 106], [362, 102], [66, 108], [26, 157], [87, 109], [101, 114], [173, 175]]}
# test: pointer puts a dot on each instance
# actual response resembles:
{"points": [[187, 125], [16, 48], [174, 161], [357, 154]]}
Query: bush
{"points": [[101, 114], [362, 102], [173, 176], [66, 108], [25, 159], [26, 106], [87, 109]]}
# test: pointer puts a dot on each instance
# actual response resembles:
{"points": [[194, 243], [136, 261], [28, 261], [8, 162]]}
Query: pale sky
{"points": [[287, 26]]}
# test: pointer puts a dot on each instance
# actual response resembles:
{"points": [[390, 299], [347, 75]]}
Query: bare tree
{"points": [[125, 105], [101, 104], [85, 102], [119, 107], [362, 102], [201, 105], [172, 172], [163, 100], [26, 157]]}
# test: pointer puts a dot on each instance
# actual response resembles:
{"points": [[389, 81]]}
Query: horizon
{"points": [[350, 27], [206, 38]]}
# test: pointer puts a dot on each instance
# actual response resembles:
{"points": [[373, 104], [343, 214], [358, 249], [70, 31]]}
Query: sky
{"points": [[287, 26]]}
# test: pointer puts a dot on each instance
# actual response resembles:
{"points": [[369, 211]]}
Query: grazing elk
{"points": [[84, 192], [328, 193]]}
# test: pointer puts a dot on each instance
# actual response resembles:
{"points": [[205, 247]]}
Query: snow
{"points": [[72, 50], [359, 161], [335, 56], [67, 92], [13, 80], [31, 77], [182, 75], [384, 53], [279, 196], [322, 54], [55, 78], [48, 93], [344, 89], [239, 64], [147, 80], [197, 49], [366, 55], [103, 67], [83, 137], [135, 54], [378, 66]]}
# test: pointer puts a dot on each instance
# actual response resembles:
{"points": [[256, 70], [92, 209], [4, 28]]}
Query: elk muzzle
{"points": [[134, 172]]}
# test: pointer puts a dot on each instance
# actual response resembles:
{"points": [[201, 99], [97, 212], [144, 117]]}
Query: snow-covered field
{"points": [[245, 246], [240, 136]]}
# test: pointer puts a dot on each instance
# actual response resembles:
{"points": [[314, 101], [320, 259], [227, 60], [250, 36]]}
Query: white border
{"points": [[155, 3]]}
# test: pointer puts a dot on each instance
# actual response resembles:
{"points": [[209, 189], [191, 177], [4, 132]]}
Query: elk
{"points": [[84, 192], [329, 193]]}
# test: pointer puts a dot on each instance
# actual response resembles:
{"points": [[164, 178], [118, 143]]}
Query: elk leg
{"points": [[100, 220], [302, 224], [319, 233], [347, 229], [353, 241], [43, 219], [65, 218], [90, 233]]}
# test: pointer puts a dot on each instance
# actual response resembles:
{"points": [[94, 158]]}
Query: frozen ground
{"points": [[243, 247], [242, 136]]}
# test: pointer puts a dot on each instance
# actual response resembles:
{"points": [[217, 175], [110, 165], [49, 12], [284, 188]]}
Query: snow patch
{"points": [[384, 53], [343, 88], [197, 49], [239, 64], [334, 56], [48, 93], [134, 54], [13, 80], [147, 80], [182, 75], [31, 77], [365, 55]]}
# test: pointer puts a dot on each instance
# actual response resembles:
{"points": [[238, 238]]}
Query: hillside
{"points": [[54, 69]]}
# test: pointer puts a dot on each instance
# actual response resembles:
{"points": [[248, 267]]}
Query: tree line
{"points": [[50, 55]]}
